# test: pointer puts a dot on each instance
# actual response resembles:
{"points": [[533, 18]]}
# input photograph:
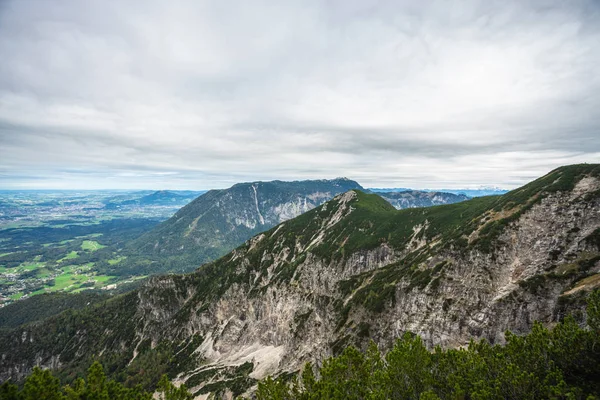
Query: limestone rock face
{"points": [[478, 294], [220, 220]]}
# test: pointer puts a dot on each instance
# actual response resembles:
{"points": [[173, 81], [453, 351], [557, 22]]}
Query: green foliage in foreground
{"points": [[43, 385], [562, 363]]}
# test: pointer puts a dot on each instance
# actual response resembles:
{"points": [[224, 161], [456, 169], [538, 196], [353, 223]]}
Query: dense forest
{"points": [[43, 385], [42, 306], [558, 363]]}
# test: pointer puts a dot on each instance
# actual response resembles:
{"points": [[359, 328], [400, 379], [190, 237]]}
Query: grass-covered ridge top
{"points": [[371, 202], [558, 180]]}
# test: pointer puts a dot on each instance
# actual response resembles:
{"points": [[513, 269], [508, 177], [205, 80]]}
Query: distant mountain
{"points": [[220, 220], [125, 198], [167, 197], [415, 198], [483, 191], [158, 198], [388, 190], [487, 191]]}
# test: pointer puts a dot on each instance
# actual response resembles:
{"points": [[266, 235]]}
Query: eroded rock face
{"points": [[220, 220], [277, 302], [479, 294], [483, 295]]}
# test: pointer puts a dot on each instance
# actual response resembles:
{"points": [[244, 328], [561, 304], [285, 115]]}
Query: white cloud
{"points": [[205, 94]]}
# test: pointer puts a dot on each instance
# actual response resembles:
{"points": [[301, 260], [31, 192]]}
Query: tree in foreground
{"points": [[42, 385]]}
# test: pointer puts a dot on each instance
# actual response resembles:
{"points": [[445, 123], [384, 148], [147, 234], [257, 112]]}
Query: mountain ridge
{"points": [[350, 270], [417, 198], [221, 219]]}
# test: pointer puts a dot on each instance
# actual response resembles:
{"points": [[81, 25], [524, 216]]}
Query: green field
{"points": [[56, 277], [77, 268], [70, 282], [43, 273], [30, 266], [91, 245], [65, 281], [102, 278], [117, 260], [73, 254]]}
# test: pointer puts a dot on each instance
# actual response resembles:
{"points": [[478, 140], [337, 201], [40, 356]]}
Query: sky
{"points": [[156, 94]]}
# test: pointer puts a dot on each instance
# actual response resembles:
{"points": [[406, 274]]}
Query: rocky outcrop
{"points": [[219, 220]]}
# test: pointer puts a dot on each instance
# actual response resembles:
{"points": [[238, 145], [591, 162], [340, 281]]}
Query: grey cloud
{"points": [[204, 94]]}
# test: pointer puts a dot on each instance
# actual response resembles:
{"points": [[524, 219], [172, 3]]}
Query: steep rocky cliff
{"points": [[348, 271], [219, 220]]}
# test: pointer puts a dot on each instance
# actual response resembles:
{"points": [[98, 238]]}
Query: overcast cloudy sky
{"points": [[203, 94]]}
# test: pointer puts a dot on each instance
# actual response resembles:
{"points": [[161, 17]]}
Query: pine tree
{"points": [[168, 391], [9, 391], [42, 385]]}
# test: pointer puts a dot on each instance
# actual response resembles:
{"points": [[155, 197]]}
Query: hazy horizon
{"points": [[176, 189]]}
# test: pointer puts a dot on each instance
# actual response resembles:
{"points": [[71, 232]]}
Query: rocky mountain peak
{"points": [[220, 220]]}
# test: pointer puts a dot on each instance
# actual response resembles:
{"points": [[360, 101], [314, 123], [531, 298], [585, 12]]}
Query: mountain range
{"points": [[351, 270], [477, 192], [219, 220], [417, 198]]}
